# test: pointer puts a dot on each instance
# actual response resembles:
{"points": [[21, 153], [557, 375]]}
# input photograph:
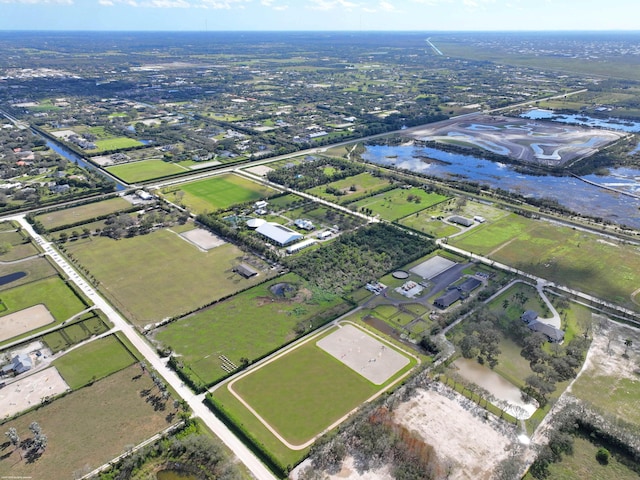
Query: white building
{"points": [[279, 233], [300, 245]]}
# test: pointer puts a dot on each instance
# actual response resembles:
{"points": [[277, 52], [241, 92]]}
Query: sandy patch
{"points": [[261, 170], [473, 445], [202, 238], [24, 321], [363, 354], [30, 391], [432, 267]]}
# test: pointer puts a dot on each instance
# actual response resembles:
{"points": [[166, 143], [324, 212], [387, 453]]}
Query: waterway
{"points": [[584, 120], [497, 386], [73, 157], [570, 192]]}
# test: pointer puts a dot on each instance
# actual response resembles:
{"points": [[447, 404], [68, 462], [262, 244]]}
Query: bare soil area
{"points": [[30, 391], [261, 170], [202, 238], [24, 321]]}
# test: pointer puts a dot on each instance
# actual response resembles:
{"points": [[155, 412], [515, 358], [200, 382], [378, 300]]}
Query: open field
{"points": [[537, 142], [609, 381], [87, 428], [30, 390], [356, 186], [160, 275], [249, 325], [217, 193], [24, 321], [560, 254], [60, 218], [144, 170], [395, 204], [62, 338], [423, 222], [93, 361], [35, 268], [115, 143]]}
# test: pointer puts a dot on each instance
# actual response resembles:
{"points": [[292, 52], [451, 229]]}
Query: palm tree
{"points": [[14, 438], [627, 343]]}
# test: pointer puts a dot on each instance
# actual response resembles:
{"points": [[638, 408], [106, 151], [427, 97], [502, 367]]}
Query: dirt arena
{"points": [[532, 141], [24, 321], [432, 267], [202, 238], [260, 170], [363, 354], [30, 391]]}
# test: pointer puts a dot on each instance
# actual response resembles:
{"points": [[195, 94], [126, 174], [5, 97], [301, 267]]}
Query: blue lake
{"points": [[570, 192], [577, 119]]}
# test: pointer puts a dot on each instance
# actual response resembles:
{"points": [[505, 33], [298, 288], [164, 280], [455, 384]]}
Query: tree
{"points": [[627, 343], [35, 428], [602, 455], [14, 438]]}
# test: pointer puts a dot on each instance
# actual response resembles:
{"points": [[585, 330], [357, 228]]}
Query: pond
{"points": [[174, 475], [584, 120], [12, 277], [497, 386], [571, 192]]}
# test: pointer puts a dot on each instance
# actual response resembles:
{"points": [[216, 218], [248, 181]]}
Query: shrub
{"points": [[602, 455]]}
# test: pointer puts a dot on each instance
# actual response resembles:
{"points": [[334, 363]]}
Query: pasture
{"points": [[15, 244], [217, 193], [422, 222], [62, 338], [93, 361], [87, 427], [350, 187], [560, 254], [160, 275], [82, 213], [247, 326], [399, 203], [145, 170]]}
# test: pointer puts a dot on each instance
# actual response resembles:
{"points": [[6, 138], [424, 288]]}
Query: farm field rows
{"points": [[160, 275]]}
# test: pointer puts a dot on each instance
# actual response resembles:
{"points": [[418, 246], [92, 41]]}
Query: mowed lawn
{"points": [[248, 325], [93, 361], [115, 143], [574, 258], [82, 213], [160, 275], [218, 192], [145, 170], [395, 204], [87, 428], [304, 392]]}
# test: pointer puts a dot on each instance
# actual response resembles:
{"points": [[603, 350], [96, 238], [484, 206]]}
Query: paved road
{"points": [[199, 409]]}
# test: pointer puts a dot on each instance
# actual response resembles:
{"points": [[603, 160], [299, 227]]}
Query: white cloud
{"points": [[207, 4], [35, 2], [331, 4]]}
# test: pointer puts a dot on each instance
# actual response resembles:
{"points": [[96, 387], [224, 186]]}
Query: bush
{"points": [[602, 455]]}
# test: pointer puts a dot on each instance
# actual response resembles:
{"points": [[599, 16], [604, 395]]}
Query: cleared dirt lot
{"points": [[24, 321], [202, 238], [532, 141], [30, 391]]}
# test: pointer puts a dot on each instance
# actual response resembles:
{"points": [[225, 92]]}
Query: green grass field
{"points": [[313, 391], [36, 269], [93, 361], [563, 255], [145, 170], [364, 183], [63, 338], [422, 222], [160, 275], [248, 325], [115, 143], [82, 213], [394, 205], [87, 428], [217, 193]]}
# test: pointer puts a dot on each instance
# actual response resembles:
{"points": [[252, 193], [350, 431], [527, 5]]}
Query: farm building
{"points": [[255, 222], [19, 364], [469, 285], [448, 299], [479, 219], [300, 245], [279, 234], [465, 222], [245, 270]]}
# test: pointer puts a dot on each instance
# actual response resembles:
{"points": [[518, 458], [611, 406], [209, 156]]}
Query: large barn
{"points": [[279, 234]]}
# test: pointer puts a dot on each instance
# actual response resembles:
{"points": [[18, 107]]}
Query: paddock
{"points": [[24, 321], [202, 238], [363, 354]]}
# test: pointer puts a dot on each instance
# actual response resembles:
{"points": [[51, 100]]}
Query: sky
{"points": [[355, 15]]}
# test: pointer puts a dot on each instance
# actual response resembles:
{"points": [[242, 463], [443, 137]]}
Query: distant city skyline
{"points": [[321, 15]]}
